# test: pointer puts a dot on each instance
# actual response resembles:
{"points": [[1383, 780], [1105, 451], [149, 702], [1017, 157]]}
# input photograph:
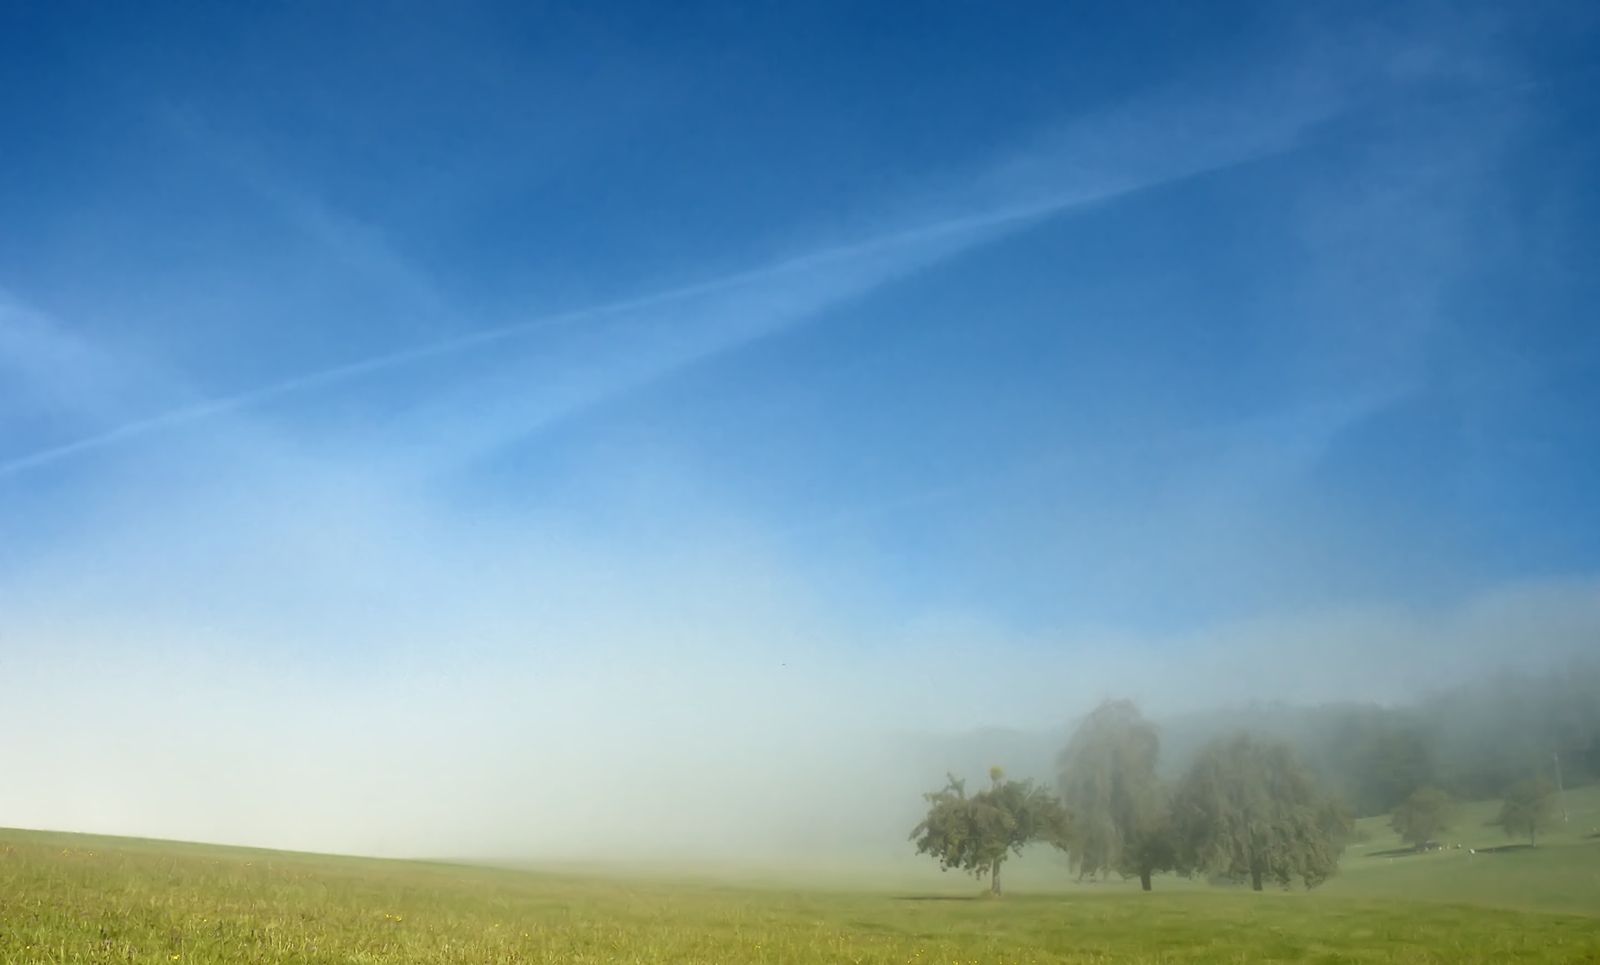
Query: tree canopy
{"points": [[1107, 777], [1528, 808], [1421, 817], [976, 834], [1247, 808], [1472, 741]]}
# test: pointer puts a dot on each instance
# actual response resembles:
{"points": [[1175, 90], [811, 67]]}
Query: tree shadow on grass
{"points": [[1502, 849], [935, 898]]}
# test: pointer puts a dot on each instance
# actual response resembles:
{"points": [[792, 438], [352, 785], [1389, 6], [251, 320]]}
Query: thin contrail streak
{"points": [[1268, 142], [354, 370]]}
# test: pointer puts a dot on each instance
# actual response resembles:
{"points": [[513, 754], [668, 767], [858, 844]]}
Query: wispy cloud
{"points": [[359, 248], [761, 299], [46, 366], [1090, 161]]}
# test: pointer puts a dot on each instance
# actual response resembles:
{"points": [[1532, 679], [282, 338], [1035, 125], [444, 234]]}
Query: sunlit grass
{"points": [[1561, 874], [70, 898]]}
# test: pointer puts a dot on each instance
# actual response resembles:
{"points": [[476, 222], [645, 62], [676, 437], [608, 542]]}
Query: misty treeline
{"points": [[1474, 742], [1245, 809], [1269, 794]]}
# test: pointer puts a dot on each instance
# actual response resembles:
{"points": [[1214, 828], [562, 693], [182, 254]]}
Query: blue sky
{"points": [[806, 362]]}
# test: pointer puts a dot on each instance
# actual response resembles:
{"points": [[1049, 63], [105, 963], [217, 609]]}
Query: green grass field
{"points": [[74, 898], [1562, 874]]}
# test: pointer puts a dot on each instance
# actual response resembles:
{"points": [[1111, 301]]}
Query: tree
{"points": [[1528, 807], [1338, 823], [1421, 817], [1107, 778], [1248, 809], [978, 833], [1151, 845]]}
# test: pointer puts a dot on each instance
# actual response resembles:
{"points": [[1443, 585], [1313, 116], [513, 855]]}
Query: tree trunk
{"points": [[1533, 837], [1144, 880], [994, 880], [1255, 879]]}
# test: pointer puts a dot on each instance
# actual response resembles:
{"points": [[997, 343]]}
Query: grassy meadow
{"points": [[1561, 874], [76, 898]]}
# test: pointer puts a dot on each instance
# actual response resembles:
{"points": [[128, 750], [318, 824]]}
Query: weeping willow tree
{"points": [[977, 834], [1247, 809], [1107, 778]]}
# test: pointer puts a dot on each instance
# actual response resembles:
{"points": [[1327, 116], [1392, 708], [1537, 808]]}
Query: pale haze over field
{"points": [[625, 431]]}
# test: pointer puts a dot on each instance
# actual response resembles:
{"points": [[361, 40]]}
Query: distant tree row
{"points": [[1246, 810], [1527, 808], [1472, 743]]}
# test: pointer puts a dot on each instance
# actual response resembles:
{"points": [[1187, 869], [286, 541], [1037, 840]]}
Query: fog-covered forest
{"points": [[1473, 741]]}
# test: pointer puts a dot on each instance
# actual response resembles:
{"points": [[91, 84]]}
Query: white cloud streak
{"points": [[764, 283], [44, 366], [1091, 161]]}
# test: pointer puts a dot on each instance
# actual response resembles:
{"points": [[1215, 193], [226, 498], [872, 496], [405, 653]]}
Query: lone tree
{"points": [[1528, 807], [1248, 809], [1421, 817], [977, 833], [1107, 777]]}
